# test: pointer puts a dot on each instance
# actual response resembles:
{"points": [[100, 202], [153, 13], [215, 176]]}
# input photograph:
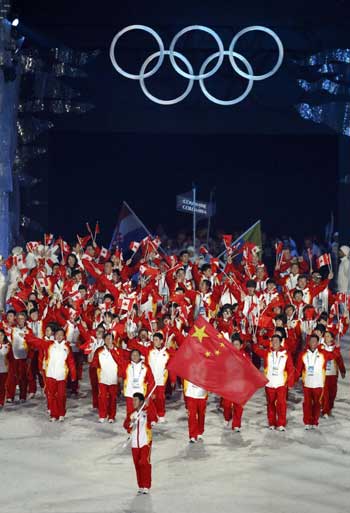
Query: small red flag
{"points": [[48, 239], [209, 361], [215, 263], [279, 248], [324, 260], [227, 241], [341, 297], [134, 246], [97, 229], [265, 321], [148, 271], [83, 240], [104, 253]]}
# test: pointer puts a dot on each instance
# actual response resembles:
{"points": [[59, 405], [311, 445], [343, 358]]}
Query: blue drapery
{"points": [[9, 93]]}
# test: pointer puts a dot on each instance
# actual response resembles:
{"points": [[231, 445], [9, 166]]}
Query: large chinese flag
{"points": [[209, 361]]}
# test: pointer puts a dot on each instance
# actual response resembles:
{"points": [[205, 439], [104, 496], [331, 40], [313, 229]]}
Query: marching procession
{"points": [[147, 324]]}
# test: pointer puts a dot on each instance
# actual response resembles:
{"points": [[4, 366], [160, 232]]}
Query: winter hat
{"points": [[345, 250], [17, 250]]}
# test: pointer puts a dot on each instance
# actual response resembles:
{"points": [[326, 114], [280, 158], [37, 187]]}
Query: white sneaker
{"points": [[145, 491], [193, 440], [110, 421], [326, 416], [314, 426], [272, 428], [61, 419], [161, 420], [237, 430], [200, 438], [53, 419], [281, 428], [140, 491], [308, 427], [31, 395], [9, 400], [226, 423], [101, 421]]}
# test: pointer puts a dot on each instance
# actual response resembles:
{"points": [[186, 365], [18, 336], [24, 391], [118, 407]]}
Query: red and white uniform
{"points": [[196, 403], [38, 328], [6, 358], [312, 367], [158, 360], [91, 347], [279, 370], [331, 382], [311, 291], [139, 424], [108, 363], [59, 361], [227, 297], [72, 336], [270, 296], [138, 377], [251, 306], [321, 301], [18, 374]]}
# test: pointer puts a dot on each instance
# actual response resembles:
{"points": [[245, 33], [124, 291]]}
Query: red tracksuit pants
{"points": [[312, 405], [3, 379], [94, 386], [143, 467], [78, 362], [18, 374], [159, 400], [196, 416], [107, 401], [276, 399], [56, 396], [329, 394], [232, 411]]}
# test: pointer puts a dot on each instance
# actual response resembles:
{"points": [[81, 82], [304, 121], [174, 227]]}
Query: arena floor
{"points": [[80, 466]]}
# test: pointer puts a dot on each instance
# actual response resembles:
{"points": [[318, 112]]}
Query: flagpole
{"points": [[194, 217], [141, 223], [125, 444], [238, 238], [209, 217]]}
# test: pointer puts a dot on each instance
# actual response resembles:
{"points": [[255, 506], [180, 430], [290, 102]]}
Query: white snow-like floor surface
{"points": [[79, 466]]}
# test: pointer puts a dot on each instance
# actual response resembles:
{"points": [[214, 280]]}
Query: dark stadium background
{"points": [[263, 160]]}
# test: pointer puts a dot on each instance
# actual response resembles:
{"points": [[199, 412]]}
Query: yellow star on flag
{"points": [[207, 354], [222, 344], [199, 333], [217, 353]]}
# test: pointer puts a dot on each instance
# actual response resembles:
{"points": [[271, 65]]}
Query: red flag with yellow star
{"points": [[209, 361]]}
